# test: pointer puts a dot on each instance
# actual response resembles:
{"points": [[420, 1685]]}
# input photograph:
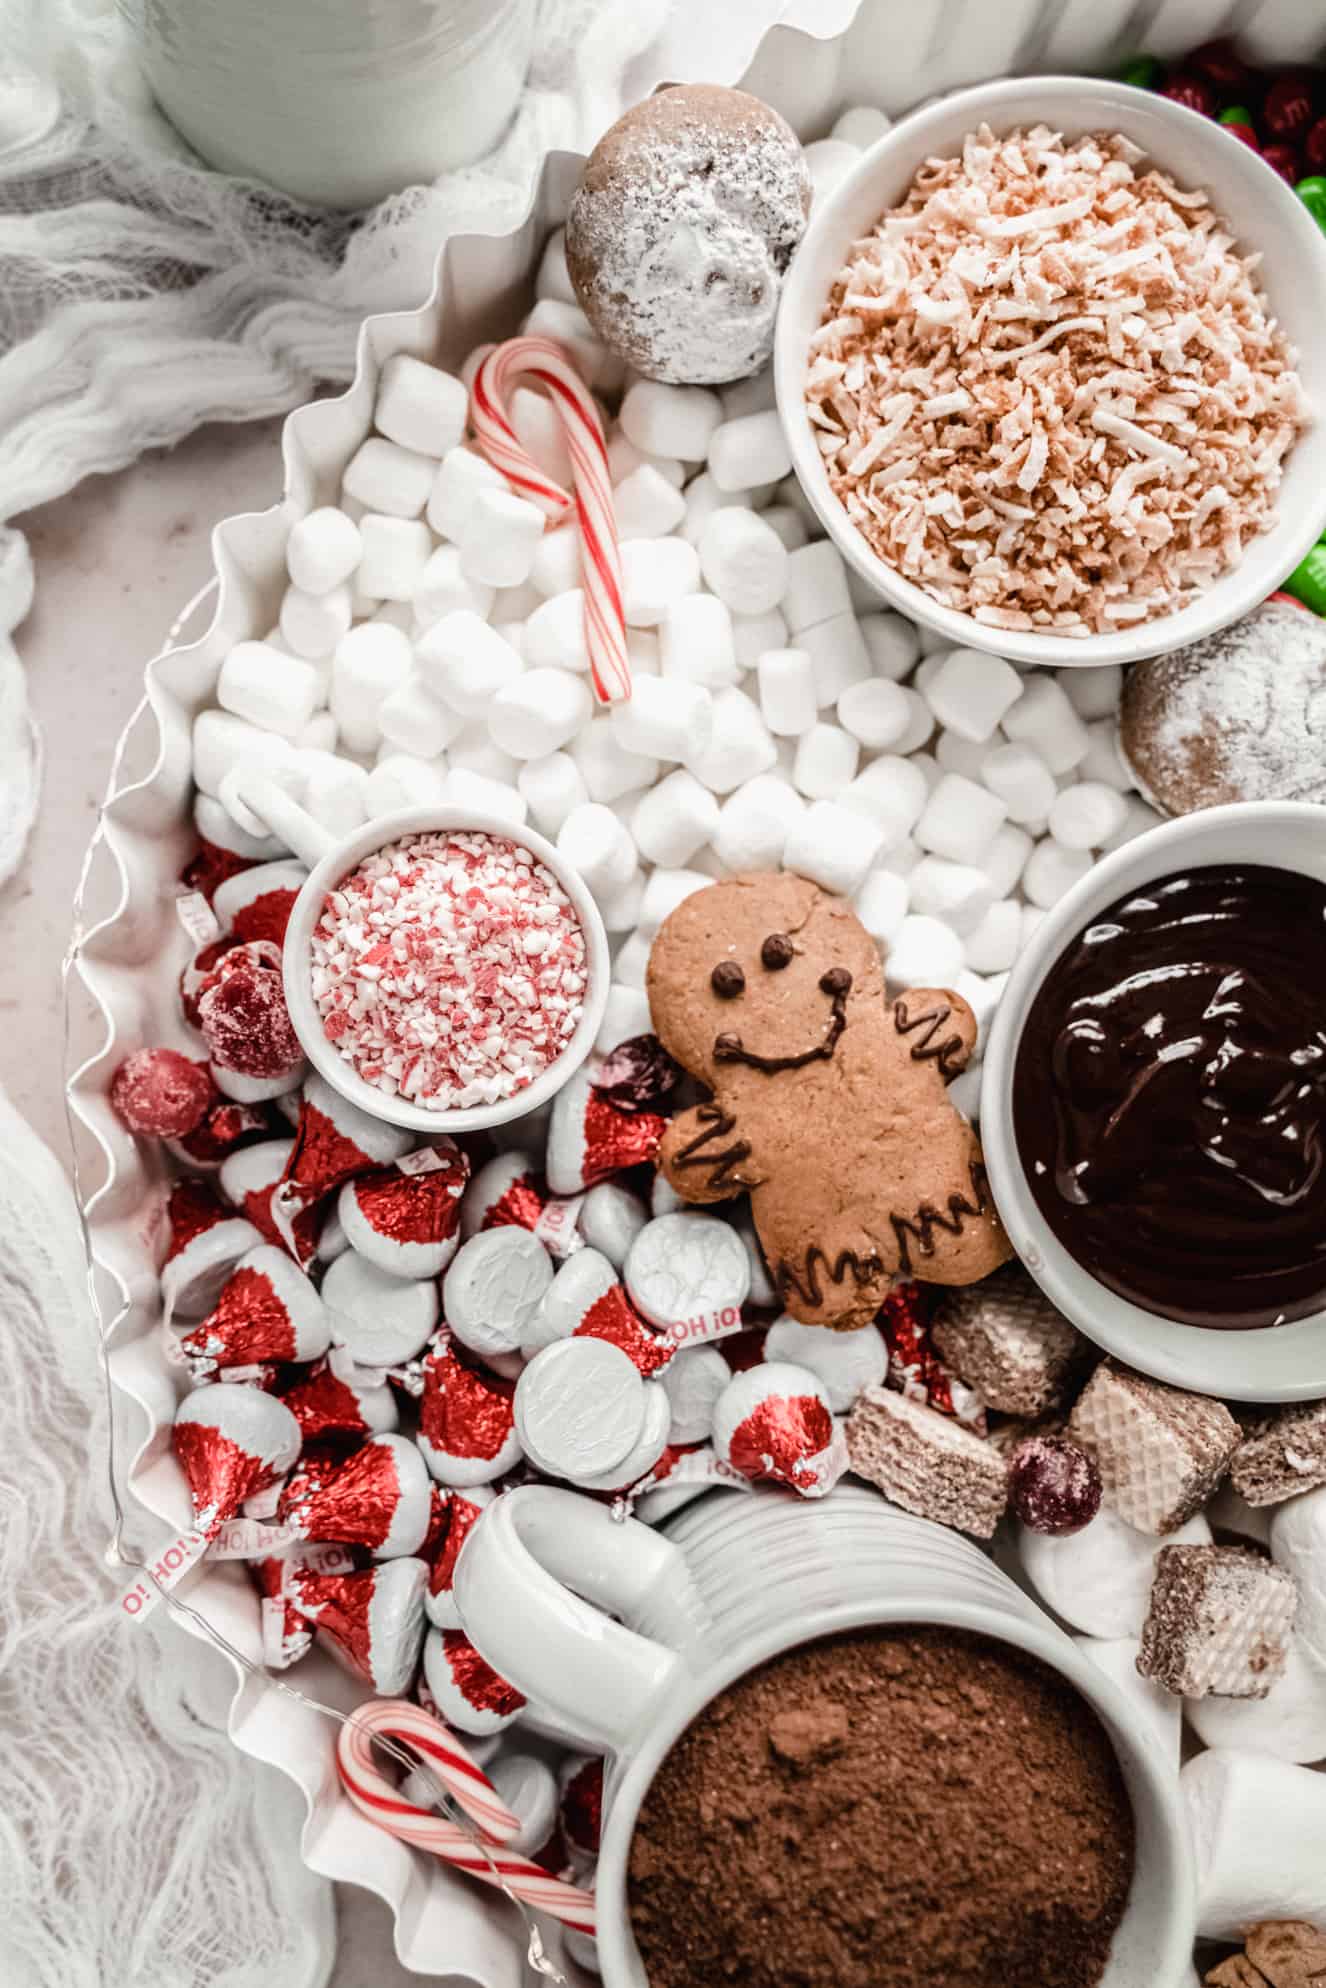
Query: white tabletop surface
{"points": [[116, 561]]}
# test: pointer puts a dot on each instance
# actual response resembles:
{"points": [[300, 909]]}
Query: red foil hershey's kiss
{"points": [[915, 1368], [463, 1411], [248, 1322], [779, 1438], [613, 1317], [418, 1207], [351, 1499], [616, 1139], [461, 1515], [325, 1407], [476, 1680], [191, 1211]]}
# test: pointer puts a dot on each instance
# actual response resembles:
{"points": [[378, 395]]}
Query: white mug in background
{"points": [[735, 1582], [338, 102]]}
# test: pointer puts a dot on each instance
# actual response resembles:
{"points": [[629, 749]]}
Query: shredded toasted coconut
{"points": [[1059, 338]]}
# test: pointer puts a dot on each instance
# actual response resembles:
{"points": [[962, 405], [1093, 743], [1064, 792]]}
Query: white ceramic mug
{"points": [[735, 1582], [1275, 1363], [330, 858]]}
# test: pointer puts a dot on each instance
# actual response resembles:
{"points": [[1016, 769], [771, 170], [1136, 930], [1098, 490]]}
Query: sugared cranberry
{"points": [[243, 1015], [1193, 93], [161, 1094], [637, 1074], [1053, 1485]]}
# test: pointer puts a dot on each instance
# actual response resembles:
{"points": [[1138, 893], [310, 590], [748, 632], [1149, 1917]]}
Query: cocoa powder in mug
{"points": [[909, 1808]]}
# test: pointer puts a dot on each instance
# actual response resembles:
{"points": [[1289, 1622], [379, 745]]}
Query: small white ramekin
{"points": [[1264, 215], [1272, 1363], [331, 858]]}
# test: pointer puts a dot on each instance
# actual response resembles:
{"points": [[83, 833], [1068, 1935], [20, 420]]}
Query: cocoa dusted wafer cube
{"points": [[1006, 1340], [1160, 1451], [926, 1462], [1281, 1454], [1219, 1622]]}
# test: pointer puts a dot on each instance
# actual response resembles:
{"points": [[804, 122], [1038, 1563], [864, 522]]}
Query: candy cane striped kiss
{"points": [[548, 363]]}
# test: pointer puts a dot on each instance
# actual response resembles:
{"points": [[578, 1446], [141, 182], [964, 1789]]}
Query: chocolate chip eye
{"points": [[727, 1048], [727, 980], [836, 981], [777, 951]]}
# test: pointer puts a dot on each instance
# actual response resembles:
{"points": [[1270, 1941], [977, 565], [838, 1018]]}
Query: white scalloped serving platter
{"points": [[894, 53]]}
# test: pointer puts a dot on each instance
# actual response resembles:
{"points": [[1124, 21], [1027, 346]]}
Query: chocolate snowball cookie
{"points": [[681, 229], [1238, 716]]}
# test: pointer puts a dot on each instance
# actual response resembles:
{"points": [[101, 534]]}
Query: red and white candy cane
{"points": [[376, 1797], [548, 363]]}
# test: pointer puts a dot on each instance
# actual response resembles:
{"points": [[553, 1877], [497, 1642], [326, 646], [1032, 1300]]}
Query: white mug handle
{"points": [[532, 1584], [287, 820]]}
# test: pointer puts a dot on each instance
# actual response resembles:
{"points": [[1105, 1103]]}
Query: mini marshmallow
{"points": [[395, 556], [214, 825], [642, 653], [676, 818], [788, 703], [493, 1287], [844, 1362], [892, 644], [826, 760], [754, 824], [620, 909], [611, 1217], [1104, 762], [625, 1013], [743, 561], [335, 792], [993, 943], [321, 734], [1006, 858], [689, 1275], [1093, 693], [551, 788], [381, 1320], [580, 1408], [323, 550], [1044, 719], [529, 1789], [539, 431], [956, 755], [555, 633], [1298, 1544], [1099, 1579], [703, 499], [958, 893], [556, 567], [624, 458], [465, 662], [839, 659], [1140, 818], [749, 396], [594, 842], [891, 792], [646, 505], [739, 745], [1258, 1828], [411, 719], [608, 772], [420, 407], [920, 730], [881, 904], [833, 847], [970, 693], [485, 796], [959, 819], [789, 525], [628, 969], [1053, 870], [664, 718], [665, 890], [876, 712], [539, 712], [498, 542], [445, 587], [693, 1380], [924, 952], [670, 421], [459, 478], [312, 624], [1086, 815], [696, 642], [816, 586], [749, 451], [566, 323], [1021, 780], [371, 661], [756, 635], [385, 477], [402, 781], [1289, 1723], [829, 160], [1157, 1710], [276, 692]]}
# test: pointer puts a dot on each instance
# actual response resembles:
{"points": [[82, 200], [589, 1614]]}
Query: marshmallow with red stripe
{"points": [[257, 904], [774, 1423], [406, 1218], [267, 1310], [371, 1620], [466, 1418], [493, 1289], [689, 1275], [333, 1407], [467, 1691], [462, 1508], [586, 1414], [510, 1191], [380, 1320], [249, 1179], [207, 1241], [380, 1496], [611, 1217], [231, 1442], [334, 1140], [590, 1138]]}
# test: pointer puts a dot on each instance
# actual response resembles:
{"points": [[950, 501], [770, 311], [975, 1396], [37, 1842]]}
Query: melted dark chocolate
{"points": [[1169, 1097]]}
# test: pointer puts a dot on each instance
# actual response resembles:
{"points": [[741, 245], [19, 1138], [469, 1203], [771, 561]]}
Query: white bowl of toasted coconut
{"points": [[1052, 364]]}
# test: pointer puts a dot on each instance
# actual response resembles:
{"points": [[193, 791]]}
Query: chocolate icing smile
{"points": [[728, 1048]]}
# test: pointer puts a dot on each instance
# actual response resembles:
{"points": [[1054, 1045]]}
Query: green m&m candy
{"points": [[1312, 192], [1307, 582], [1143, 72]]}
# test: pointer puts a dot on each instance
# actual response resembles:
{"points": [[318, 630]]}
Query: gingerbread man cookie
{"points": [[828, 1101]]}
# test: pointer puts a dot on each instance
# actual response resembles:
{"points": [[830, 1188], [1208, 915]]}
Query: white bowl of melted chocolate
{"points": [[1154, 1104]]}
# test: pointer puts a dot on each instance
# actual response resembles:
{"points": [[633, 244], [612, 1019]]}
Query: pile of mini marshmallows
{"points": [[431, 649]]}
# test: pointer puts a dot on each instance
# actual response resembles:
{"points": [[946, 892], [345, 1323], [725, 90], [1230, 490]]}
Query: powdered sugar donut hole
{"points": [[677, 239]]}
